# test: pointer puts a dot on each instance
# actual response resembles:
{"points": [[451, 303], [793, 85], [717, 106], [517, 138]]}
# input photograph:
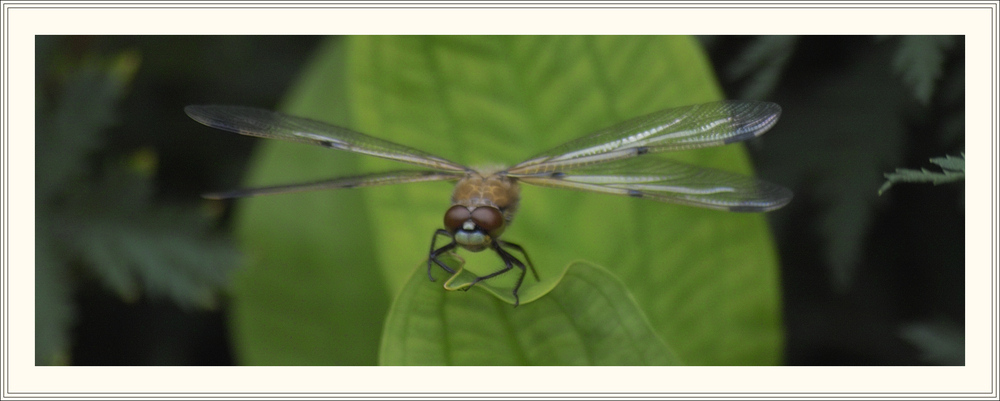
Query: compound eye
{"points": [[488, 218], [455, 217]]}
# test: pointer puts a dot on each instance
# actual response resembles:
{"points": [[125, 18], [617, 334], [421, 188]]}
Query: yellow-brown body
{"points": [[478, 189], [482, 206]]}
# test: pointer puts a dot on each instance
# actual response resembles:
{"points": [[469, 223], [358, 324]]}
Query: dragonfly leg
{"points": [[526, 257], [509, 262], [433, 255]]}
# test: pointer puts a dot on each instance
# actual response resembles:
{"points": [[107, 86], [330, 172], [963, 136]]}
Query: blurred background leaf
{"points": [[940, 341], [99, 221], [760, 65], [920, 61]]}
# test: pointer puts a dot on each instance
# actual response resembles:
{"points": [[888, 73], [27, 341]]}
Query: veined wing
{"points": [[387, 178], [271, 124], [690, 127], [668, 181]]}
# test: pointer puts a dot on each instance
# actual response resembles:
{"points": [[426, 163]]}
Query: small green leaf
{"points": [[949, 162], [953, 170], [585, 316]]}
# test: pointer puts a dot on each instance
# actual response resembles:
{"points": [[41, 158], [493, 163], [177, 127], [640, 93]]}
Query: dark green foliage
{"points": [[859, 124], [920, 62], [853, 108], [761, 64], [96, 218], [940, 341]]}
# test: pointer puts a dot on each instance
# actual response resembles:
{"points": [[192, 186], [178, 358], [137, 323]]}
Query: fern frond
{"points": [[952, 170]]}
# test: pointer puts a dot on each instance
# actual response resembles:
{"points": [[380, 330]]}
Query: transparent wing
{"points": [[271, 124], [689, 127], [668, 181], [369, 180]]}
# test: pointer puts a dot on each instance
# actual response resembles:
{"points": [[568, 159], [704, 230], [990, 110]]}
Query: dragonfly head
{"points": [[476, 228]]}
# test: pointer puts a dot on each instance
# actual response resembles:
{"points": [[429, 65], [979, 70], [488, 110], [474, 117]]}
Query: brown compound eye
{"points": [[455, 217], [488, 218]]}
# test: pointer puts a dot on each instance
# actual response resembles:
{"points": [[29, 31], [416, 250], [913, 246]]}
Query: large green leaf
{"points": [[706, 280]]}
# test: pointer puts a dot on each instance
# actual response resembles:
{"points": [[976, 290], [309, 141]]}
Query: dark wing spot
{"points": [[745, 209], [739, 137], [557, 174], [641, 150], [635, 194]]}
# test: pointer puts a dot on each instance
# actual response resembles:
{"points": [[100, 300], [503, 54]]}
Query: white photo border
{"points": [[23, 20]]}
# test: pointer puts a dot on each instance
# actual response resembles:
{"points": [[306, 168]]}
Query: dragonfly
{"points": [[617, 160]]}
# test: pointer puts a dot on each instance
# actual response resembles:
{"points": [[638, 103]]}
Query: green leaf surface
{"points": [[707, 280], [589, 318]]}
